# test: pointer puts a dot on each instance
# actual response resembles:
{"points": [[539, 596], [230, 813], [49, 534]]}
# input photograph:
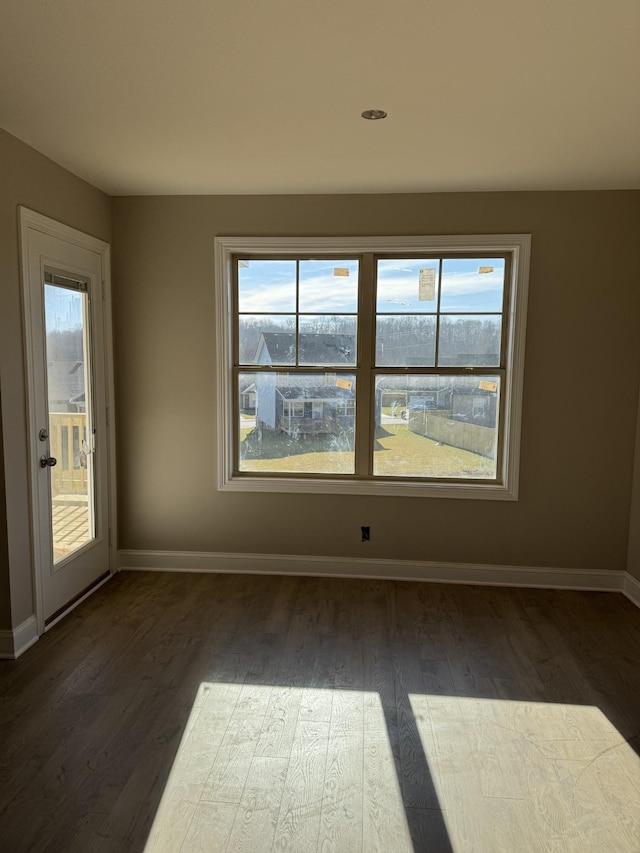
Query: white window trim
{"points": [[518, 245]]}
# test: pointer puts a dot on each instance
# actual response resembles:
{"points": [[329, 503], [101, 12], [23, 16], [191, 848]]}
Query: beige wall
{"points": [[583, 360], [27, 178]]}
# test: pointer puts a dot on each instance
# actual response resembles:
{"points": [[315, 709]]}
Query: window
{"points": [[293, 410], [378, 365], [346, 409]]}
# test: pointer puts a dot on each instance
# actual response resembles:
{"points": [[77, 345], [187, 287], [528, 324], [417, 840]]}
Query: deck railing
{"points": [[67, 437], [307, 426]]}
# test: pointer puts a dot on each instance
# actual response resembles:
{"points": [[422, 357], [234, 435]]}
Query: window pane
{"points": [[472, 284], [268, 286], [69, 403], [436, 426], [405, 286], [328, 286], [297, 422], [403, 340], [265, 339], [469, 341], [327, 339]]}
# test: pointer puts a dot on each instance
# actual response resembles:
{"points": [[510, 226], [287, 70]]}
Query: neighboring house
{"points": [[468, 403], [314, 348], [248, 397], [475, 405], [313, 410], [66, 386], [305, 404]]}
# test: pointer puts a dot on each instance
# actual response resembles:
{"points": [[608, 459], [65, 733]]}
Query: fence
{"points": [[439, 426]]}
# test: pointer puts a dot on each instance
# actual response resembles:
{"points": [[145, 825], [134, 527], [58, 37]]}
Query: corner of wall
{"points": [[633, 549], [5, 597]]}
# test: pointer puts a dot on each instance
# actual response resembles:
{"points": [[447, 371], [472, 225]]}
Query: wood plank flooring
{"points": [[70, 523], [183, 713]]}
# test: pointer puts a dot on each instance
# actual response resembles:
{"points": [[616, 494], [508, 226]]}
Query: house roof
{"points": [[480, 96], [314, 348], [65, 381], [317, 392]]}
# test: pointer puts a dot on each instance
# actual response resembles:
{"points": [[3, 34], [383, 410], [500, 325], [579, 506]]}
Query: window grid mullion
{"points": [[436, 354], [506, 311], [363, 437], [297, 312]]}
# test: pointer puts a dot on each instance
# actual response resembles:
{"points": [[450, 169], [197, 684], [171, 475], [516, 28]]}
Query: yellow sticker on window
{"points": [[343, 271], [488, 386], [344, 383]]}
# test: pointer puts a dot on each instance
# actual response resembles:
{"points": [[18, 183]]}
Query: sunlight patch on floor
{"points": [[305, 769], [262, 767], [515, 775]]}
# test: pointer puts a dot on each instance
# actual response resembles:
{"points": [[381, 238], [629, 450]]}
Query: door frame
{"points": [[30, 220]]}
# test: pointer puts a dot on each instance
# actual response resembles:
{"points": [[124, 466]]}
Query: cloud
{"points": [[319, 293], [461, 291], [269, 286], [267, 296]]}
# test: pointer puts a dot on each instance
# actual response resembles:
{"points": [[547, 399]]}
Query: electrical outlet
{"points": [[366, 533]]}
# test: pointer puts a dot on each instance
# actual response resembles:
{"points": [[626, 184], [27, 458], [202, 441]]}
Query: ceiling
{"points": [[265, 96]]}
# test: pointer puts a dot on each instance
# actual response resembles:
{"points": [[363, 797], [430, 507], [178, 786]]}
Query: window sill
{"points": [[382, 488]]}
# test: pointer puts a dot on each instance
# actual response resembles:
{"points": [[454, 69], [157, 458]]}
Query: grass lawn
{"points": [[279, 452], [402, 452], [398, 452]]}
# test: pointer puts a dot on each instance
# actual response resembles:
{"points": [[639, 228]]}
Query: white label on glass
{"points": [[427, 285]]}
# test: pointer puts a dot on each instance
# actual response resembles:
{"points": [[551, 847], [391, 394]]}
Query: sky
{"points": [[269, 286], [63, 308]]}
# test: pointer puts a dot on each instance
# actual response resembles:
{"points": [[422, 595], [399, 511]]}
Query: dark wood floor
{"points": [[210, 713]]}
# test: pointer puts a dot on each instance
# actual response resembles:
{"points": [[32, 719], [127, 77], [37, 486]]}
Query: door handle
{"points": [[48, 461]]}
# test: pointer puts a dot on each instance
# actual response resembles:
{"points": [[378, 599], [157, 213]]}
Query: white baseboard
{"points": [[14, 643], [6, 645], [345, 567], [631, 588]]}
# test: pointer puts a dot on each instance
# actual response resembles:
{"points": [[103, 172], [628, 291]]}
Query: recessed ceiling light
{"points": [[373, 115]]}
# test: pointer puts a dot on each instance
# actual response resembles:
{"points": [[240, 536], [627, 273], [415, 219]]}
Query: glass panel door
{"points": [[70, 421], [66, 302]]}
